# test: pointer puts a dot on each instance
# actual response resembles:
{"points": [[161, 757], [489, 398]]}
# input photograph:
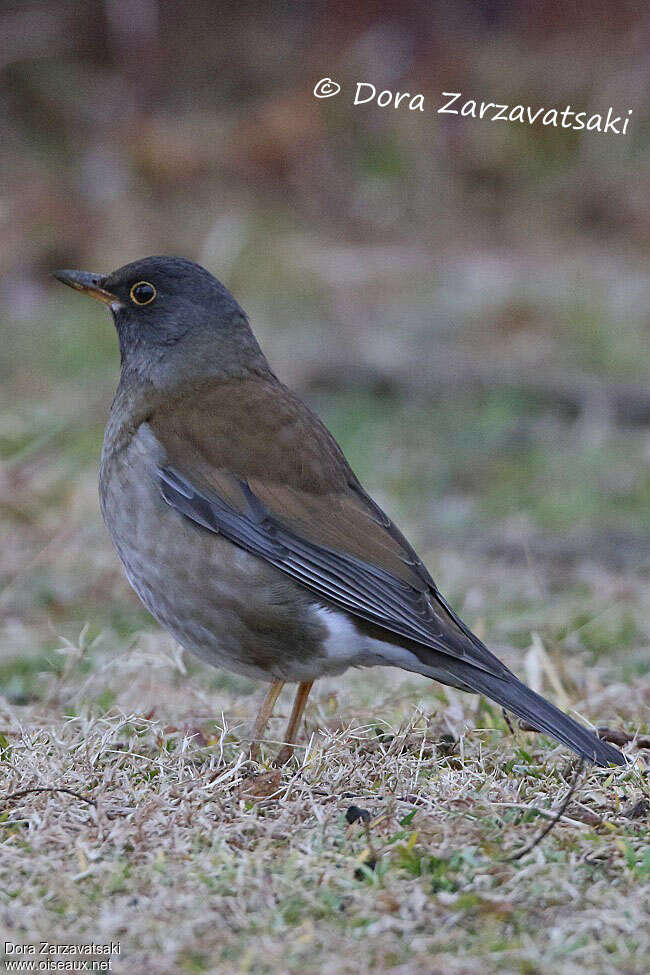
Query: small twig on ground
{"points": [[69, 792], [612, 735], [554, 821], [506, 718], [617, 737], [524, 726]]}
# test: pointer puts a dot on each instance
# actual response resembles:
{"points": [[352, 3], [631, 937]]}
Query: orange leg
{"points": [[263, 716], [291, 733]]}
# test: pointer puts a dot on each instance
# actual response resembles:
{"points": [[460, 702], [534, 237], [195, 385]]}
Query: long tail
{"points": [[535, 710], [501, 686]]}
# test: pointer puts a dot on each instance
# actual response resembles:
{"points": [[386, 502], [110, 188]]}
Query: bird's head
{"points": [[174, 320]]}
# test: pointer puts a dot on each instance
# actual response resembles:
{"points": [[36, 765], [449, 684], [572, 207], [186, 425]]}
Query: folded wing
{"points": [[320, 541]]}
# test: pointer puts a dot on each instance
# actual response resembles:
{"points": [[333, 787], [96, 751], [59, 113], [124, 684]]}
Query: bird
{"points": [[244, 530]]}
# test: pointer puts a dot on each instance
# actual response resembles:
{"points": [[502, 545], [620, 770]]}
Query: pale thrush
{"points": [[241, 525]]}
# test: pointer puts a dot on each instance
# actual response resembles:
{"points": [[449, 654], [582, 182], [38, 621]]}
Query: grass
{"points": [[196, 859]]}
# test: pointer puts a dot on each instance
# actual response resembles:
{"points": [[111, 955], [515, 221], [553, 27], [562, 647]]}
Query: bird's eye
{"points": [[142, 293]]}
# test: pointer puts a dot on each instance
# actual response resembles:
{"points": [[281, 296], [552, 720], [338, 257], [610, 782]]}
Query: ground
{"points": [[194, 859]]}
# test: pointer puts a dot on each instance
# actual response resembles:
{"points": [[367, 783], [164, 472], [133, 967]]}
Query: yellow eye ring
{"points": [[146, 295]]}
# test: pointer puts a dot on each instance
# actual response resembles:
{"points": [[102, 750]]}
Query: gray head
{"points": [[175, 322]]}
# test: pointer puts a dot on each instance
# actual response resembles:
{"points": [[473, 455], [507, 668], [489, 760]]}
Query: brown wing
{"points": [[249, 460]]}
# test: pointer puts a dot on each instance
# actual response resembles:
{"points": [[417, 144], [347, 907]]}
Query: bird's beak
{"points": [[91, 284]]}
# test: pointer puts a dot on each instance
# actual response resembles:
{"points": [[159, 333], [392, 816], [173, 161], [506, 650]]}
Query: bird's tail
{"points": [[541, 714], [505, 689]]}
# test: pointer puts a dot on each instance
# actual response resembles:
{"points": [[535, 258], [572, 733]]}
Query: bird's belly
{"points": [[219, 601]]}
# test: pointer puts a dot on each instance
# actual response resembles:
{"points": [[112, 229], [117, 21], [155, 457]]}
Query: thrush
{"points": [[242, 527]]}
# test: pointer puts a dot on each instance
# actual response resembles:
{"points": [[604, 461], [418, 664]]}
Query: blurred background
{"points": [[465, 302]]}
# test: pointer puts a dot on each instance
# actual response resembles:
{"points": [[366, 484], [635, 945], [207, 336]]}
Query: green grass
{"points": [[502, 454]]}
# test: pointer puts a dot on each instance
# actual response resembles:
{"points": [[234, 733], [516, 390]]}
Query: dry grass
{"points": [[197, 860]]}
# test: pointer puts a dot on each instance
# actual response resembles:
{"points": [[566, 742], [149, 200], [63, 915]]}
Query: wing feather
{"points": [[282, 489], [413, 609]]}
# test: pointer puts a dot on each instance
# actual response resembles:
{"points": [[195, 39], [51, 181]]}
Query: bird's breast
{"points": [[228, 606]]}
